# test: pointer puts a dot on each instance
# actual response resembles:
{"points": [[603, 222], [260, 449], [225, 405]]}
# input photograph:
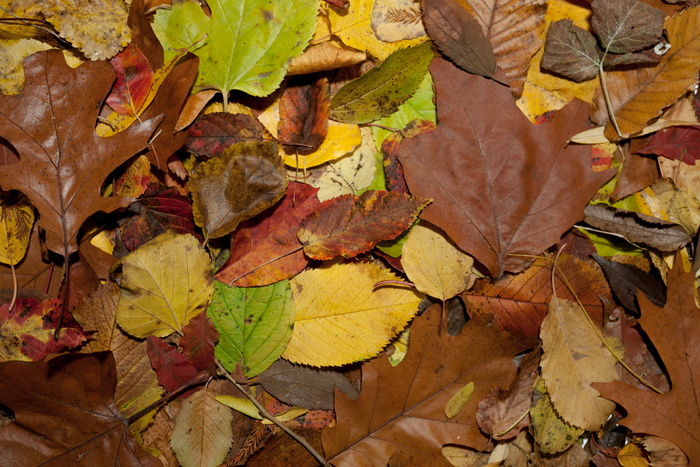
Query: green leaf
{"points": [[254, 324], [244, 45], [381, 90], [421, 106]]}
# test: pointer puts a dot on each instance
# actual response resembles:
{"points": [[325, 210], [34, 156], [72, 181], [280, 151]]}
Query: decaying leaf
{"points": [[396, 20], [211, 133], [341, 318], [13, 54], [551, 432], [304, 110]]}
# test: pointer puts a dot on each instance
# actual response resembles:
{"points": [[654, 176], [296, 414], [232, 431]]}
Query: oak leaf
{"points": [[673, 415], [524, 221], [402, 408], [341, 318], [56, 140], [65, 414]]}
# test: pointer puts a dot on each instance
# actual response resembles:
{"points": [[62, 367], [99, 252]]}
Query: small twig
{"points": [[264, 413]]}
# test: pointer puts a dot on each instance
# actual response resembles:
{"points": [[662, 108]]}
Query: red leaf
{"points": [[198, 338], [681, 143], [267, 238], [134, 80], [393, 171], [173, 368], [349, 224], [304, 108]]}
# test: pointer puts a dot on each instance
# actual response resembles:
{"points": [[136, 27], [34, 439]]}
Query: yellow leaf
{"points": [[631, 455], [240, 404], [287, 415], [464, 457], [341, 318], [15, 228], [544, 91], [641, 94], [400, 345], [663, 199], [434, 264], [12, 54], [353, 26], [457, 402], [165, 283], [324, 57], [29, 11], [573, 358], [396, 20]]}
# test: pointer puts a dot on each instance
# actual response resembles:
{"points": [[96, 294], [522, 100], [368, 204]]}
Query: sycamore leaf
{"points": [[381, 90], [641, 94], [526, 222], [571, 51], [402, 408], [396, 20], [551, 432], [64, 410], [260, 247], [15, 228], [341, 318], [27, 331], [353, 25], [134, 80], [165, 283], [267, 34], [254, 324], [459, 36], [211, 133], [625, 26], [349, 225], [202, 435], [673, 415], [573, 357], [434, 265], [245, 180], [304, 109]]}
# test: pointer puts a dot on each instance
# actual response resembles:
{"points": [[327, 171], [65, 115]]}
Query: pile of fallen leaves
{"points": [[359, 233]]}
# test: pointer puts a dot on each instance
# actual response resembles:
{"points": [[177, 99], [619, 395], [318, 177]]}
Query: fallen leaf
{"points": [[254, 324], [626, 280], [571, 51], [260, 247], [198, 338], [669, 329], [662, 451], [64, 411], [573, 357], [134, 80], [401, 409], [341, 318], [173, 368], [381, 90], [211, 133], [519, 222], [457, 402], [13, 54], [681, 143], [625, 26], [277, 31], [349, 225], [665, 200], [164, 284], [16, 223], [551, 432], [342, 139], [304, 110], [245, 180], [459, 37], [324, 57], [397, 20], [202, 434]]}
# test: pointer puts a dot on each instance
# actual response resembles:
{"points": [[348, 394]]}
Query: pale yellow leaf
{"points": [[574, 357], [287, 415], [12, 54], [324, 57], [397, 20], [353, 26], [349, 174], [341, 318], [663, 199], [464, 457], [203, 433], [434, 264], [240, 404], [457, 402], [15, 229], [165, 283], [400, 345]]}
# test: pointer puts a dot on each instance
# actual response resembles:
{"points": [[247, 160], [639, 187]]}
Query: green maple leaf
{"points": [[244, 45]]}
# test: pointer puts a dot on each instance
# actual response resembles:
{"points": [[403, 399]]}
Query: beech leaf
{"points": [[459, 36], [381, 91], [479, 153], [341, 318], [245, 180], [349, 224], [625, 26], [571, 51]]}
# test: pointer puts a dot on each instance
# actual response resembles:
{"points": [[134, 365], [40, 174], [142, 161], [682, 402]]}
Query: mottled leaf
{"points": [[304, 111]]}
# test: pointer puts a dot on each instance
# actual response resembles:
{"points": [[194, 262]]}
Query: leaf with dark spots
{"points": [[304, 111], [626, 280], [211, 133]]}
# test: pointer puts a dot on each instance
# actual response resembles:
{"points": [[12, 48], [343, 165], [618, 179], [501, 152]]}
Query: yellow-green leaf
{"points": [[341, 318], [457, 402], [240, 404], [165, 283], [15, 228]]}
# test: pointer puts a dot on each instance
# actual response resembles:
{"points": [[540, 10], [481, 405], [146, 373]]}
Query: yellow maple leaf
{"points": [[341, 318], [165, 283], [15, 228]]}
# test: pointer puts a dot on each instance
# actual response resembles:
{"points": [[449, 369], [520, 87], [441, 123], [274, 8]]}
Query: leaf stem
{"points": [[606, 98], [264, 413]]}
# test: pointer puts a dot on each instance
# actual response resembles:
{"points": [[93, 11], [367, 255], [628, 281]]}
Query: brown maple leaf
{"points": [[674, 330], [501, 185]]}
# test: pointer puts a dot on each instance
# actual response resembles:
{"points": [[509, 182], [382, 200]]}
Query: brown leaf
{"points": [[673, 330], [481, 152], [459, 36], [245, 180], [63, 163], [402, 408], [637, 173], [198, 338], [626, 280], [571, 51], [65, 414], [212, 133], [625, 26], [323, 57], [304, 111]]}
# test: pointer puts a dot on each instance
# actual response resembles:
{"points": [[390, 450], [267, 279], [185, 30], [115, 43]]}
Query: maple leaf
{"points": [[65, 413], [402, 408], [673, 330], [63, 163], [475, 149]]}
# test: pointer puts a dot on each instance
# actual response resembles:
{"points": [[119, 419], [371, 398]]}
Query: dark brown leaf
{"points": [[304, 110], [211, 133], [626, 25], [626, 280], [571, 51]]}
